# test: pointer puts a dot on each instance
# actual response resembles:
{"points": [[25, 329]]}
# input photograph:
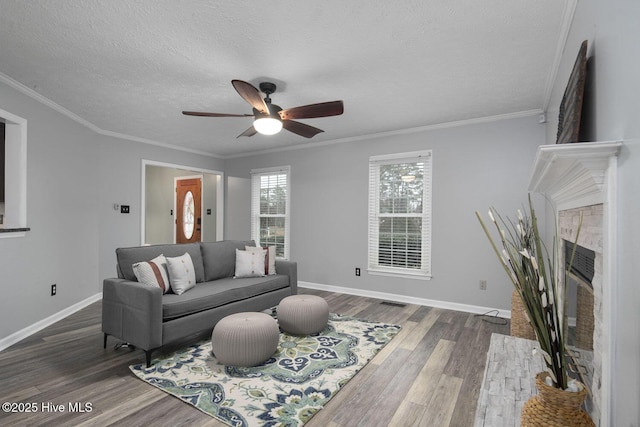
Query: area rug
{"points": [[286, 390]]}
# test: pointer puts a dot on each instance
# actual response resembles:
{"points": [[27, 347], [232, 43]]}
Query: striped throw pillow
{"points": [[153, 273]]}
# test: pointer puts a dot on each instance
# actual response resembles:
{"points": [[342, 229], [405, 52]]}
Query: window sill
{"points": [[8, 233], [403, 274]]}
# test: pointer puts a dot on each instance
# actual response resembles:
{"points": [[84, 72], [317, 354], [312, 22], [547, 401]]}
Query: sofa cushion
{"points": [[217, 293], [126, 257], [219, 258]]}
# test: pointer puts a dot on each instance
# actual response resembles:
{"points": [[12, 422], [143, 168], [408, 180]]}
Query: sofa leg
{"points": [[105, 341], [148, 355]]}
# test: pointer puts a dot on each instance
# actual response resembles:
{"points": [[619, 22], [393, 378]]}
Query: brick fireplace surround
{"points": [[581, 179]]}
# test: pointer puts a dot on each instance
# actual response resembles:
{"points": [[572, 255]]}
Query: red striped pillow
{"points": [[153, 273]]}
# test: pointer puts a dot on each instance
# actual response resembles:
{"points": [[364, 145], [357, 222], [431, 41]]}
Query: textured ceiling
{"points": [[131, 67]]}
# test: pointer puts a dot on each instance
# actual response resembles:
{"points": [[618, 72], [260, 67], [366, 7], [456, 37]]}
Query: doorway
{"points": [[159, 208], [188, 203]]}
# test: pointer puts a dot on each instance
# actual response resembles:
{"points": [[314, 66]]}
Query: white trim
{"points": [[374, 214], [12, 234], [456, 123], [609, 302], [219, 194], [15, 214], [404, 273], [255, 204], [60, 109], [40, 325], [573, 175], [408, 131], [396, 157], [475, 309], [567, 19]]}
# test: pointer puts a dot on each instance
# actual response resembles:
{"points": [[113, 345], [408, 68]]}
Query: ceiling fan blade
{"points": [[249, 132], [322, 109], [202, 114], [301, 129], [250, 94]]}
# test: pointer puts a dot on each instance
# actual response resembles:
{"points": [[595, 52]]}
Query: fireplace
{"points": [[579, 180]]}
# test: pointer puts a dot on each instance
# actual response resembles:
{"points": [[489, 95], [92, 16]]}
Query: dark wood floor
{"points": [[429, 375]]}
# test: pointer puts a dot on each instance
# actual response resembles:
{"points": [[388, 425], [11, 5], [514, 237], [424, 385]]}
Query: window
{"points": [[270, 208], [400, 214]]}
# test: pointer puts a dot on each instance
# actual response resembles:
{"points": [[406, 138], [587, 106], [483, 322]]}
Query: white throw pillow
{"points": [[270, 259], [182, 275], [153, 273], [249, 263]]}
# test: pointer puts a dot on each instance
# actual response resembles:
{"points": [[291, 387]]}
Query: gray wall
{"points": [[613, 113], [74, 176], [62, 204], [474, 167], [124, 187]]}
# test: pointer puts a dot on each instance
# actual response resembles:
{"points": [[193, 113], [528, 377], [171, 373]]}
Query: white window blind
{"points": [[400, 214], [270, 208]]}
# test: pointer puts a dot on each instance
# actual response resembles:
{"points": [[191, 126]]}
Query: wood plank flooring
{"points": [[428, 375]]}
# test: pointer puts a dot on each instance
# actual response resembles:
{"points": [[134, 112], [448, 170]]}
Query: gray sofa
{"points": [[144, 317]]}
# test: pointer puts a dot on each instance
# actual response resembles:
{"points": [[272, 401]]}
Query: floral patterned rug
{"points": [[286, 390]]}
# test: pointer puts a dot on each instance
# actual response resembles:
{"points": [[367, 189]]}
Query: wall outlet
{"points": [[483, 285], [357, 271], [54, 289]]}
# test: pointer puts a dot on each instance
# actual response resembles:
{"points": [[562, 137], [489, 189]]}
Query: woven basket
{"points": [[553, 407], [520, 326]]}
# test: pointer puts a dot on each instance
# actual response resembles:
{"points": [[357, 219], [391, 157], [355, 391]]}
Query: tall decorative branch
{"points": [[538, 280]]}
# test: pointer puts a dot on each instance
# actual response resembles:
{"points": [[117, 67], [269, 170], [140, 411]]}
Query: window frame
{"points": [[15, 201], [256, 175], [373, 266]]}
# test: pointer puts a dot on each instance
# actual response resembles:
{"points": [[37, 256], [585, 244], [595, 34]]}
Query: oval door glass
{"points": [[188, 208]]}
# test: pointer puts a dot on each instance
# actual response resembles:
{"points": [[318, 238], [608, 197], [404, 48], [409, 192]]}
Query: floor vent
{"points": [[393, 304]]}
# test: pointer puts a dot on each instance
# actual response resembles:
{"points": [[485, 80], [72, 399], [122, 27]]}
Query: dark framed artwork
{"points": [[571, 105]]}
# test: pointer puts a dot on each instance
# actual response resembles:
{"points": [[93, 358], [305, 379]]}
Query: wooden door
{"points": [[188, 210]]}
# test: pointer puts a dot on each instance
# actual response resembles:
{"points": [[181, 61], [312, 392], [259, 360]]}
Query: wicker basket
{"points": [[553, 407], [520, 326]]}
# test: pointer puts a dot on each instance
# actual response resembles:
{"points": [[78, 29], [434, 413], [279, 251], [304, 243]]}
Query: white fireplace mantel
{"points": [[579, 175], [573, 175]]}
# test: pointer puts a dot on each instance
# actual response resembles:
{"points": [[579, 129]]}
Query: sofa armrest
{"points": [[290, 268], [132, 312]]}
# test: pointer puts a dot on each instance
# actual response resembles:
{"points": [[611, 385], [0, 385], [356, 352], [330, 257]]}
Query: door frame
{"points": [[219, 194], [175, 203]]}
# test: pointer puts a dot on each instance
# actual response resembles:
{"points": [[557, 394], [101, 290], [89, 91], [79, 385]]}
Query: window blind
{"points": [[270, 197], [400, 214]]}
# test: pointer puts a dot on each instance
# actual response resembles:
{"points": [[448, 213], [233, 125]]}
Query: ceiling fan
{"points": [[270, 118]]}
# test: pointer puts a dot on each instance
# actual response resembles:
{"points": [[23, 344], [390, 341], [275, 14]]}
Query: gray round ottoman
{"points": [[245, 339], [303, 314]]}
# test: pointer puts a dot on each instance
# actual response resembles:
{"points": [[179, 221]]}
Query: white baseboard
{"points": [[475, 309], [38, 326]]}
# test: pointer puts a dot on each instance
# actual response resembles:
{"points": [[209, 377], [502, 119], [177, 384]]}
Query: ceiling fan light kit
{"points": [[267, 125], [270, 118]]}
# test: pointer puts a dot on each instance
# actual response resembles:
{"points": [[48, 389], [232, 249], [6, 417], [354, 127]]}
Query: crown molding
{"points": [[73, 116], [567, 20]]}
